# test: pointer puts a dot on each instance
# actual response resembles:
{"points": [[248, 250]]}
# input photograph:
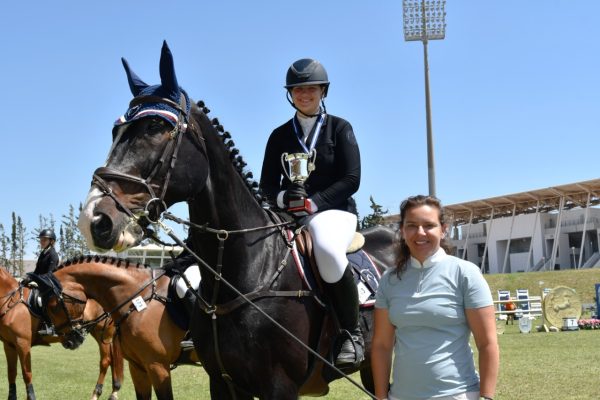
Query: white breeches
{"points": [[192, 273], [332, 232]]}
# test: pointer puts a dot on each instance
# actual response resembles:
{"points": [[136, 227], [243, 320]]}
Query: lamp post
{"points": [[425, 20]]}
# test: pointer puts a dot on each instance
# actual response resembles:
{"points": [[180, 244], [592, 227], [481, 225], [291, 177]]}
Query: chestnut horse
{"points": [[166, 150], [134, 296], [18, 332]]}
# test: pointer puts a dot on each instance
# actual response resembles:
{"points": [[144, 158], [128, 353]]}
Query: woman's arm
{"points": [[482, 322], [382, 348]]}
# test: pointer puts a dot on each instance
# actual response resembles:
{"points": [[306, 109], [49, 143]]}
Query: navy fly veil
{"points": [[167, 90]]}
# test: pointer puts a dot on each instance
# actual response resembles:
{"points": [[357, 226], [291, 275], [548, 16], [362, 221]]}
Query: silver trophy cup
{"points": [[298, 166]]}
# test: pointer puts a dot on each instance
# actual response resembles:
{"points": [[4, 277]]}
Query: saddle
{"points": [[366, 277], [365, 273], [38, 296]]}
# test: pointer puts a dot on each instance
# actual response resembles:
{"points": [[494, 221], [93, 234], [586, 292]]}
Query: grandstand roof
{"points": [[542, 200]]}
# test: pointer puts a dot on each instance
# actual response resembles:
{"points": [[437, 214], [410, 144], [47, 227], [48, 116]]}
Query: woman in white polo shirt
{"points": [[426, 309]]}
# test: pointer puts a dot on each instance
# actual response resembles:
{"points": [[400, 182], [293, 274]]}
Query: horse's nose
{"points": [[102, 230]]}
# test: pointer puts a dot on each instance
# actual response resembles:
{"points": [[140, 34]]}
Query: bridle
{"points": [[78, 327], [156, 205]]}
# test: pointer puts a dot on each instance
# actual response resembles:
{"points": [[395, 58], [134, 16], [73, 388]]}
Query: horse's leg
{"points": [[141, 383], [23, 347], [11, 369], [105, 360], [220, 391], [160, 376], [117, 369], [280, 387]]}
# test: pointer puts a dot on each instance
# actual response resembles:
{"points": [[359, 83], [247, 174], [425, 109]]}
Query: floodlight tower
{"points": [[425, 20]]}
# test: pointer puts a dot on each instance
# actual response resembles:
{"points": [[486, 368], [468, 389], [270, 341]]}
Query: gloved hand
{"points": [[295, 191]]}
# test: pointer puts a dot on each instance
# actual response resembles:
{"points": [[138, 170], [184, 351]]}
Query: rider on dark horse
{"points": [[322, 202]]}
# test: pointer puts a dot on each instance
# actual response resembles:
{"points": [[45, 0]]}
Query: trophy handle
{"points": [[283, 165], [312, 156]]}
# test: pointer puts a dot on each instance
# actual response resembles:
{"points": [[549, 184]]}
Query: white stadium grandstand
{"points": [[539, 230]]}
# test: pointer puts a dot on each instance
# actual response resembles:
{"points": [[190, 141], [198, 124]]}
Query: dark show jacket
{"points": [[337, 166], [47, 261]]}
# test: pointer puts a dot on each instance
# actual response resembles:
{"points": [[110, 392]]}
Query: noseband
{"points": [[169, 155], [78, 327]]}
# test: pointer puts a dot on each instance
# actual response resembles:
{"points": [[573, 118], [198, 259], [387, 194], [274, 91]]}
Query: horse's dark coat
{"points": [[260, 359]]}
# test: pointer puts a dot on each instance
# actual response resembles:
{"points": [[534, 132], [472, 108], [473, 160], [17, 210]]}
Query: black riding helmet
{"points": [[305, 72], [47, 233]]}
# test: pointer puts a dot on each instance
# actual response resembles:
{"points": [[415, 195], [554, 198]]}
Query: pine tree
{"points": [[21, 242], [4, 249], [376, 217], [13, 244], [71, 239], [80, 243]]}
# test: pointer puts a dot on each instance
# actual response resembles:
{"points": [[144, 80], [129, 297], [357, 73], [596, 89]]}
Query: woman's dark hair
{"points": [[401, 248]]}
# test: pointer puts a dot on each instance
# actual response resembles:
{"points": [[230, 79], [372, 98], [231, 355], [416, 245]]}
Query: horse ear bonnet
{"points": [[168, 89]]}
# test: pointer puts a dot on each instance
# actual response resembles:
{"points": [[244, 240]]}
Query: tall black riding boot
{"points": [[344, 299], [189, 303]]}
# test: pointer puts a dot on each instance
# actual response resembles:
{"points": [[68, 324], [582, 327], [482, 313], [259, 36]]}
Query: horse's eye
{"points": [[156, 125]]}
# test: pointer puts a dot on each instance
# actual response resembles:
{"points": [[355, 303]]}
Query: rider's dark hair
{"points": [[401, 248]]}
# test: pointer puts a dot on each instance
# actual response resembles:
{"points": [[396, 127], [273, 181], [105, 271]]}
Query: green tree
{"points": [[72, 242], [21, 243], [376, 217], [4, 249], [13, 244]]}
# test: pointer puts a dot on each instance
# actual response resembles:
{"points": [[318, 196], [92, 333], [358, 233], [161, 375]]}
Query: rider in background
{"points": [[48, 258], [47, 262], [331, 218]]}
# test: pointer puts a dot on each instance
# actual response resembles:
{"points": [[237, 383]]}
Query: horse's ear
{"points": [[136, 85], [167, 73]]}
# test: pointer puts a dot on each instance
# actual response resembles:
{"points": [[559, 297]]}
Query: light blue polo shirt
{"points": [[433, 357]]}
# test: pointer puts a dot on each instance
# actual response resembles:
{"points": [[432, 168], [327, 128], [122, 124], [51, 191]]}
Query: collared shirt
{"points": [[427, 307]]}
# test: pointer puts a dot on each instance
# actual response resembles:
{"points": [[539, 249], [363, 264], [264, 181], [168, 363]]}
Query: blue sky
{"points": [[515, 89]]}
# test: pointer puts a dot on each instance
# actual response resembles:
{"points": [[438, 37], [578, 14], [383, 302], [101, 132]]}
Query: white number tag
{"points": [[139, 303], [363, 292]]}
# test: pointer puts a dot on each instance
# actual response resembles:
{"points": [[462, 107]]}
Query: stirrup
{"points": [[186, 344], [47, 332], [351, 351]]}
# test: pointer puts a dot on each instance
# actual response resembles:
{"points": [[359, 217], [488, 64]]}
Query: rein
{"points": [[9, 297], [85, 326], [108, 314], [213, 309]]}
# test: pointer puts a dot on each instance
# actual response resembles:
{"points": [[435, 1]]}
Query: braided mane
{"points": [[234, 155], [115, 261]]}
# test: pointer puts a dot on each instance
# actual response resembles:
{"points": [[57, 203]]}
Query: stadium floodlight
{"points": [[425, 20]]}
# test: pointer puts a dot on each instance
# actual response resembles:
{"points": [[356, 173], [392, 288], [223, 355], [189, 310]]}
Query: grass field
{"points": [[561, 365]]}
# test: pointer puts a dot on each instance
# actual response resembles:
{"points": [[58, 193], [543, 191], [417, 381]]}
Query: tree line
{"points": [[13, 242]]}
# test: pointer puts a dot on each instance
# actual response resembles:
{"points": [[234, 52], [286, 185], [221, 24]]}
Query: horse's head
{"points": [[66, 309], [157, 158]]}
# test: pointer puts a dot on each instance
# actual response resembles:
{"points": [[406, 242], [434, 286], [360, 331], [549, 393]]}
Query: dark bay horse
{"points": [[18, 332], [158, 159], [134, 295]]}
